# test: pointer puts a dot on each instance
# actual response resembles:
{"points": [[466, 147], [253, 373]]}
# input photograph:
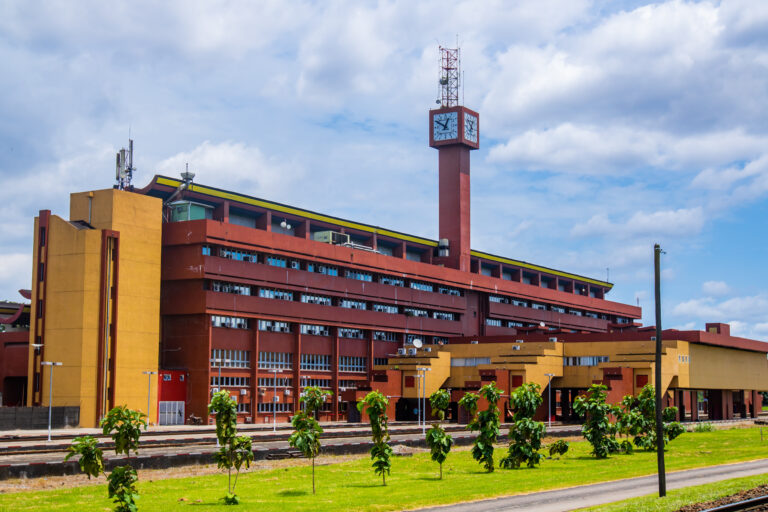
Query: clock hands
{"points": [[443, 124]]}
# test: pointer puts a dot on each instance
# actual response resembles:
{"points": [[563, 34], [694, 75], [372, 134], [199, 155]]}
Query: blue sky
{"points": [[605, 126]]}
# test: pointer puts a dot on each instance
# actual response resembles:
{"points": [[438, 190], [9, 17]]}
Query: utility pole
{"points": [[659, 423]]}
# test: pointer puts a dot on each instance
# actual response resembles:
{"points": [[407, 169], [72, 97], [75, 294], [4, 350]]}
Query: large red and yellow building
{"points": [[216, 289]]}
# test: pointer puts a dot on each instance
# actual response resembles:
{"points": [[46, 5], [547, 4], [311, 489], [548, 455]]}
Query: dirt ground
{"points": [[743, 495]]}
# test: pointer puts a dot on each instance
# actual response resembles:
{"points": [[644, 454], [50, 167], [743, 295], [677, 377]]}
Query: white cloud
{"points": [[752, 308], [682, 222], [15, 274], [715, 288]]}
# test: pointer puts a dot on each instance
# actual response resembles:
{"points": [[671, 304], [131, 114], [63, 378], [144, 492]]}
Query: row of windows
{"points": [[544, 307], [320, 362], [275, 407], [357, 334], [469, 361], [352, 304], [269, 382], [276, 360], [269, 325], [353, 364], [230, 358], [584, 360], [385, 336], [269, 293], [380, 360], [231, 382], [225, 287], [244, 408], [316, 299], [230, 321], [348, 384], [315, 330], [320, 383], [282, 262]]}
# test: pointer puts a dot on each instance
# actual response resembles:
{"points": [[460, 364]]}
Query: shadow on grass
{"points": [[288, 493], [364, 486]]}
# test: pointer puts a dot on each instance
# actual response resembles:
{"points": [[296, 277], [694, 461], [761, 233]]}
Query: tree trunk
{"points": [[441, 471]]}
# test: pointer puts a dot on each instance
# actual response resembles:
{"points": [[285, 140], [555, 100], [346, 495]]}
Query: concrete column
{"points": [[694, 404], [335, 374]]}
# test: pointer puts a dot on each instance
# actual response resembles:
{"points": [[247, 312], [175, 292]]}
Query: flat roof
{"points": [[292, 210]]}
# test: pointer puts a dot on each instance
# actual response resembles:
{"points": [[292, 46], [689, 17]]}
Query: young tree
{"points": [[306, 437], [524, 434], [375, 406], [486, 423], [639, 419], [234, 451], [438, 440], [597, 428], [124, 425]]}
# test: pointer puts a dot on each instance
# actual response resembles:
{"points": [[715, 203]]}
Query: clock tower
{"points": [[454, 131]]}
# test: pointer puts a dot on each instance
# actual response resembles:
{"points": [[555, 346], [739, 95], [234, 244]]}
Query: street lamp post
{"points": [[275, 399], [423, 408], [52, 364], [549, 400], [149, 374]]}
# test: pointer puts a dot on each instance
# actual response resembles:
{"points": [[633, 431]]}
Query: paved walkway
{"points": [[574, 498]]}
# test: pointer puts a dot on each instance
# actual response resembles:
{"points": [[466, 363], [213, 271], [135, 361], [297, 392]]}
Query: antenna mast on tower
{"points": [[450, 76], [124, 167]]}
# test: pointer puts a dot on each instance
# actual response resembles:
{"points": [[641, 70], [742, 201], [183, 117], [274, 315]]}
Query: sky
{"points": [[605, 126]]}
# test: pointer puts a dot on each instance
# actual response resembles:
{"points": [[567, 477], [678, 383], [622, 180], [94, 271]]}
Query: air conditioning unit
{"points": [[331, 237], [287, 392], [553, 339], [427, 349], [412, 351], [401, 351], [516, 347], [473, 342], [519, 341], [243, 391], [214, 390]]}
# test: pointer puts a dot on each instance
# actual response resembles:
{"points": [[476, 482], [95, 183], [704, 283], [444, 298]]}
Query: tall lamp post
{"points": [[149, 374], [423, 407], [52, 364], [275, 399], [549, 400]]}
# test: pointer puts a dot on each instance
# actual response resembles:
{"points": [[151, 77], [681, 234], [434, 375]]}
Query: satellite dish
{"points": [[542, 324], [417, 343]]}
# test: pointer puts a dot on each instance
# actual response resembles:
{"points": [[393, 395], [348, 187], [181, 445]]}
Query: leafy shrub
{"points": [[639, 418], [597, 428], [306, 437], [558, 448], [486, 423], [375, 406], [704, 427], [438, 440], [524, 434], [234, 452]]}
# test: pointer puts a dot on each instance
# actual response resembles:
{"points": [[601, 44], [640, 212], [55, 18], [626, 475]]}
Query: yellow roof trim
{"points": [[540, 269], [296, 211]]}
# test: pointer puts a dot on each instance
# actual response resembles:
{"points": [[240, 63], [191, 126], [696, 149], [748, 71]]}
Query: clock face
{"points": [[445, 126], [470, 128]]}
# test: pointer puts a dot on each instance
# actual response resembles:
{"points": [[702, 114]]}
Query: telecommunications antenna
{"points": [[124, 167], [417, 343]]}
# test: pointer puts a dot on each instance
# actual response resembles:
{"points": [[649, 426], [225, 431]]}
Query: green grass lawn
{"points": [[680, 497], [413, 483]]}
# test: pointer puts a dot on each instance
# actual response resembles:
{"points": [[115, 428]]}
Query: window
{"points": [[328, 270], [269, 293], [206, 250], [276, 360], [439, 340], [559, 309], [385, 336], [352, 364], [238, 255], [515, 324], [230, 382], [276, 261], [269, 325], [385, 308], [357, 274], [320, 383], [352, 304], [575, 312], [269, 382], [442, 315], [231, 322], [495, 322], [226, 287], [166, 377], [314, 330], [425, 287], [380, 361], [416, 312], [351, 333], [541, 307], [315, 299], [296, 265], [348, 384], [496, 298], [319, 362], [590, 314], [275, 406], [392, 281], [230, 358], [449, 291], [584, 360], [244, 408], [622, 320], [410, 337], [521, 303], [469, 361]]}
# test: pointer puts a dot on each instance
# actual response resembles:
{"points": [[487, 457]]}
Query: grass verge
{"points": [[413, 483], [680, 497]]}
